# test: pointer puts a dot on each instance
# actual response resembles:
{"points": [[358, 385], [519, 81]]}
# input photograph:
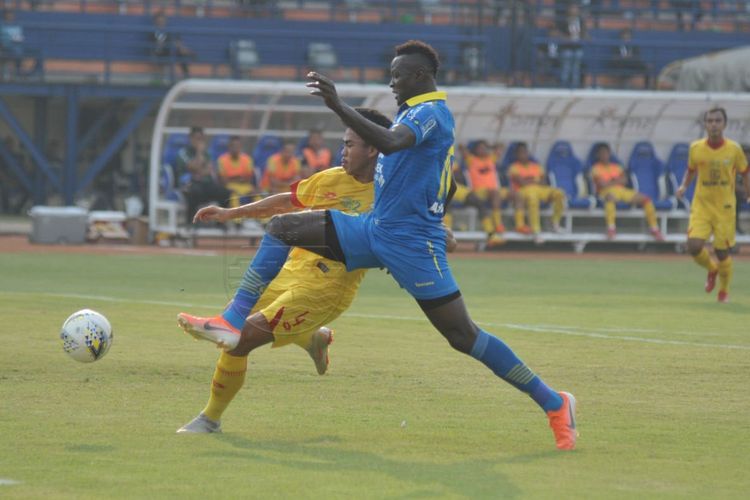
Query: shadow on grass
{"points": [[471, 478]]}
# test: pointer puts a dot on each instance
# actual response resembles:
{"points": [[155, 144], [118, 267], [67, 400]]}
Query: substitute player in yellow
{"points": [[610, 181], [716, 161], [528, 180], [309, 292]]}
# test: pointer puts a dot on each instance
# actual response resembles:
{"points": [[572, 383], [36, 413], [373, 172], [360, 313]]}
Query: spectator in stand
{"points": [[282, 169], [626, 61], [610, 182], [481, 165], [528, 179], [166, 44], [237, 172], [572, 31], [315, 156], [196, 175], [12, 46]]}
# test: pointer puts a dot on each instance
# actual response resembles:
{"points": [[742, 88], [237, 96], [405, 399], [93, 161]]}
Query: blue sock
{"points": [[268, 261], [499, 358]]}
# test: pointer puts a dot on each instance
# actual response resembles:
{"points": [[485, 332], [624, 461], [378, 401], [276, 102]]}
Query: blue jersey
{"points": [[411, 185]]}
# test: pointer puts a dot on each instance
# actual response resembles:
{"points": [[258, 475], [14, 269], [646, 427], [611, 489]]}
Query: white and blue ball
{"points": [[86, 335]]}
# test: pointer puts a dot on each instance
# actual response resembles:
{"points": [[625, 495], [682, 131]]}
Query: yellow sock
{"points": [[228, 379], [609, 213], [497, 217], [704, 260], [532, 203], [488, 226], [650, 212], [520, 217], [725, 274], [558, 205]]}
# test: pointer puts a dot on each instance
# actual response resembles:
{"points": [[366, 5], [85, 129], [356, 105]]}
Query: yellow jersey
{"points": [[716, 169], [332, 188]]}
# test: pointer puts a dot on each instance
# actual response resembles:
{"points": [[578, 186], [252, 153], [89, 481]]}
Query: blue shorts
{"points": [[418, 263]]}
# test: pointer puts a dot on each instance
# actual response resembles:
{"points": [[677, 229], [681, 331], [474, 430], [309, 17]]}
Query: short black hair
{"points": [[234, 138], [521, 144], [600, 146], [716, 109], [375, 116], [196, 130], [423, 49]]}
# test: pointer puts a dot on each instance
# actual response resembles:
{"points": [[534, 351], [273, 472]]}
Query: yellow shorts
{"points": [[483, 194], [619, 193], [296, 306], [723, 230], [538, 191]]}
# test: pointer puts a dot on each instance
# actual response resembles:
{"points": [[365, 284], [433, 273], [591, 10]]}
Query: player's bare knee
{"points": [[721, 254], [461, 339], [694, 247]]}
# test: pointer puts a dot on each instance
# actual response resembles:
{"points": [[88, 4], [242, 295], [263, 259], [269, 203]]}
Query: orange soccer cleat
{"points": [[216, 330], [723, 297], [563, 422], [318, 349]]}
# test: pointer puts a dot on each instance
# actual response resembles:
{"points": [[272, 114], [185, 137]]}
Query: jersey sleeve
{"points": [[741, 162], [422, 120], [314, 192], [513, 171], [304, 192], [691, 159]]}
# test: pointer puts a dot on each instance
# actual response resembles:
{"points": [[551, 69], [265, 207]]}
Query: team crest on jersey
{"points": [[351, 204]]}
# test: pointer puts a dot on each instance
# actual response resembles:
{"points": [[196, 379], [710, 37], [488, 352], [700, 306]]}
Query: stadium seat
{"points": [[676, 168], [244, 57], [566, 172], [218, 146], [648, 175], [321, 56], [172, 146]]}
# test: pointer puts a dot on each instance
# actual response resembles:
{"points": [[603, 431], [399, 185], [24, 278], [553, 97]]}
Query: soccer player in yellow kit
{"points": [[610, 182], [528, 179], [309, 292], [715, 161]]}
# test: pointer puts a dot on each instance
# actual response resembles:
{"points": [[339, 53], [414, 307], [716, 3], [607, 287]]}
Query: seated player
{"points": [[528, 180], [609, 180], [481, 166], [315, 155], [310, 290], [469, 198], [236, 171], [282, 170]]}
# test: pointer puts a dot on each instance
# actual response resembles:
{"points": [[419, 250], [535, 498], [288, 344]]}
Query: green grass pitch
{"points": [[659, 368]]}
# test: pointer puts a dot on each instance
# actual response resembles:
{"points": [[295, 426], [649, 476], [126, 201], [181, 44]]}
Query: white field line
{"points": [[594, 333], [7, 482]]}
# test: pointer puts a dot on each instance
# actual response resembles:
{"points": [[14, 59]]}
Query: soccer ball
{"points": [[86, 336]]}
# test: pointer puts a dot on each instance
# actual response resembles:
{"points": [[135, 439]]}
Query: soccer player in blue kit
{"points": [[403, 232]]}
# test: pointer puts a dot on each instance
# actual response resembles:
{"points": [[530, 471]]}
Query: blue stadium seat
{"points": [[648, 176], [218, 146], [267, 146], [676, 168], [566, 172], [172, 146]]}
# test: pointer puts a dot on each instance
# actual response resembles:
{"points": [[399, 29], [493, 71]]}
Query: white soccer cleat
{"points": [[200, 425], [318, 348]]}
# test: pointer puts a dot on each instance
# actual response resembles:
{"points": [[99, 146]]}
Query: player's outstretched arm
{"points": [[385, 140], [276, 204]]}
